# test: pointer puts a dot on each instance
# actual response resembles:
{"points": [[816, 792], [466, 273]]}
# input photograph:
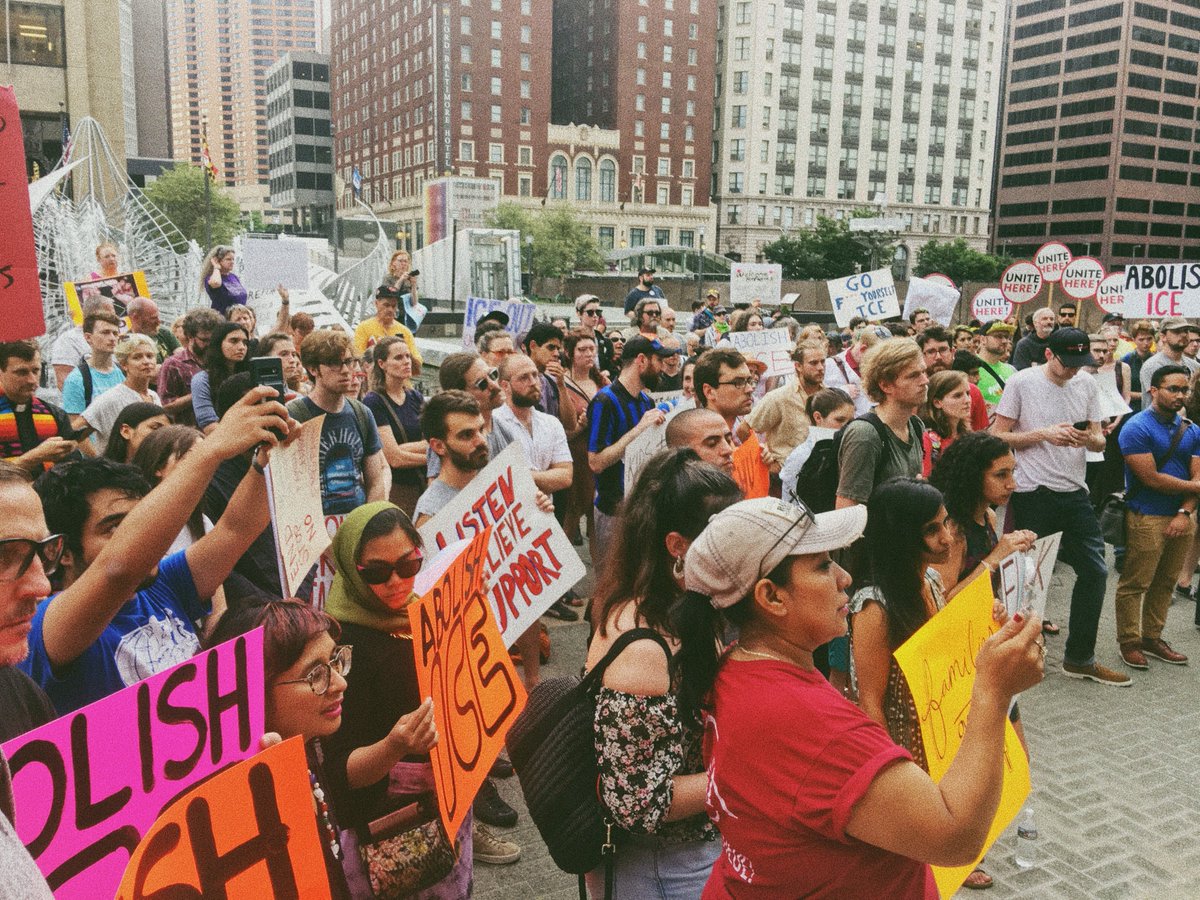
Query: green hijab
{"points": [[351, 599]]}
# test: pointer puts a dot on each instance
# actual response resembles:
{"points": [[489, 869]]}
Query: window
{"points": [[525, 156], [664, 167], [465, 111], [686, 196], [495, 153], [662, 198], [36, 34], [496, 59], [738, 117], [464, 24], [606, 236], [496, 30], [583, 179], [637, 237], [608, 181], [466, 151], [558, 177], [736, 182]]}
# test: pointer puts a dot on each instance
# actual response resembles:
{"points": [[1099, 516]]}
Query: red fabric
{"points": [[788, 758], [20, 290], [979, 412], [749, 470]]}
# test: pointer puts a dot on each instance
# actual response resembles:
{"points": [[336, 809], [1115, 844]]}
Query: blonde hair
{"points": [[130, 343], [941, 385], [110, 245], [884, 362]]}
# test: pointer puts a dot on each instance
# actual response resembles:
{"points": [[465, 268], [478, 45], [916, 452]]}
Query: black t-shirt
{"points": [[632, 298], [23, 705], [258, 564]]}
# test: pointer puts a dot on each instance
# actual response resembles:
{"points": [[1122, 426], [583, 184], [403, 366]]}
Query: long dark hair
{"points": [[674, 492], [132, 415], [959, 473], [897, 514], [215, 363]]}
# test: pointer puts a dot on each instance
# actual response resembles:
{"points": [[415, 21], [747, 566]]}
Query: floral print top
{"points": [[641, 744]]}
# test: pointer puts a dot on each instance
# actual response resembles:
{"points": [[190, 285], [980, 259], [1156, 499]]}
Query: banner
{"points": [[88, 786], [20, 289], [871, 295], [266, 263], [755, 281], [939, 665], [294, 480], [530, 563], [1163, 289], [121, 289], [651, 441], [250, 831], [520, 318], [941, 301], [463, 665], [771, 346]]}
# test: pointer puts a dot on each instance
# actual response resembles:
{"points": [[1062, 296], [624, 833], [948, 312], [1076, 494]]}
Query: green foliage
{"points": [[959, 262], [562, 244], [830, 250], [179, 193]]}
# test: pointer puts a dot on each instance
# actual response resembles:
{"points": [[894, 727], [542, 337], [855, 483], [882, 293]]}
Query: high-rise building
{"points": [[144, 84], [1099, 131], [823, 108], [218, 54], [300, 159]]}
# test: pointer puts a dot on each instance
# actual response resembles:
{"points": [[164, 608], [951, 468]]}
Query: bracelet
{"points": [[258, 467]]}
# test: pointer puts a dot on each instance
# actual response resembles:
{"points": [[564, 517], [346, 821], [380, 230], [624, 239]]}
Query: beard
{"points": [[469, 462], [650, 380], [525, 401]]}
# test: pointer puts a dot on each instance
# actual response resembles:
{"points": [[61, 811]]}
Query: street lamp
{"points": [[700, 269]]}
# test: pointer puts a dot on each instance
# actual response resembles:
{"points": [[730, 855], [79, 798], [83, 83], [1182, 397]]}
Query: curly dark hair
{"points": [[959, 473], [66, 492]]}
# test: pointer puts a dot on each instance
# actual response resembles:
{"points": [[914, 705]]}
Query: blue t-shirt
{"points": [[73, 394], [1145, 432], [149, 634]]}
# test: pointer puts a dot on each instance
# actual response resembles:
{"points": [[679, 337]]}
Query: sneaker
{"points": [[491, 809], [560, 610], [1160, 649], [502, 767], [488, 847], [1133, 656], [1184, 592], [1097, 673]]}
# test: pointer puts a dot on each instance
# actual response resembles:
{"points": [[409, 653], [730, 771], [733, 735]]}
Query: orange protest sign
{"points": [[749, 470], [463, 666], [249, 832]]}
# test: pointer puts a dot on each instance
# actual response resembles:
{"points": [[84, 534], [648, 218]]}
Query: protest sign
{"points": [[1112, 401], [925, 293], [20, 288], [520, 317], [1020, 282], [530, 563], [771, 346], [1110, 295], [939, 665], [871, 295], [648, 443], [665, 400], [1164, 289], [1051, 260], [265, 264], [249, 831], [121, 289], [989, 305], [1081, 277], [939, 278], [1025, 577], [755, 281], [89, 785], [323, 579], [294, 494], [749, 470], [462, 664]]}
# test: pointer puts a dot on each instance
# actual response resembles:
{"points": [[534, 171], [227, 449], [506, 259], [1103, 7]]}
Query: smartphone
{"points": [[268, 371], [1081, 426], [414, 273]]}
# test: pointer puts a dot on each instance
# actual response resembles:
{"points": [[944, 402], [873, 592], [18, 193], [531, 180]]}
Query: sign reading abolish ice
{"points": [[89, 785], [771, 346], [871, 295], [267, 263], [520, 317], [1162, 290], [755, 281], [530, 562]]}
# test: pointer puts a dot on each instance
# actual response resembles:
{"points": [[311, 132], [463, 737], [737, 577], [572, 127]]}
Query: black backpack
{"points": [[817, 483], [552, 746]]}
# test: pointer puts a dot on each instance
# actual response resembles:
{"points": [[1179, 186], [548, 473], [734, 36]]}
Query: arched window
{"points": [[583, 178], [900, 263], [608, 181], [558, 177]]}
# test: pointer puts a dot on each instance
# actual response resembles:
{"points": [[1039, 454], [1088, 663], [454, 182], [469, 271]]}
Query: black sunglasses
{"points": [[380, 572], [16, 555]]}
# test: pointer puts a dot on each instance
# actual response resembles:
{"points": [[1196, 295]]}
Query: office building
{"points": [[300, 153]]}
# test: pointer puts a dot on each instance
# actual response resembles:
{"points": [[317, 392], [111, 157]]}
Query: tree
{"points": [[562, 244], [960, 262], [830, 250], [179, 193]]}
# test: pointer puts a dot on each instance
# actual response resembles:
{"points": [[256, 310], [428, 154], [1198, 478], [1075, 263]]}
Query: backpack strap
{"points": [[89, 387], [591, 681], [983, 364], [363, 417]]}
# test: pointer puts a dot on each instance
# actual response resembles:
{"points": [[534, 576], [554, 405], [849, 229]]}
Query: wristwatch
{"points": [[1184, 512]]}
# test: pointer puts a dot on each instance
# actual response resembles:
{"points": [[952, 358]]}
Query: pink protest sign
{"points": [[88, 786]]}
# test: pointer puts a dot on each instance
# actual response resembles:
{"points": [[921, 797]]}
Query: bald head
{"points": [[143, 315], [706, 432]]}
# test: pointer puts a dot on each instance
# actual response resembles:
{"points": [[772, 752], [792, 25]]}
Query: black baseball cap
{"points": [[495, 315], [646, 270], [1113, 317], [1072, 347], [638, 345]]}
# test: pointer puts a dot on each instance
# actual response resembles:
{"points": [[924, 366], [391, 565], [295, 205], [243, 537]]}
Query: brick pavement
{"points": [[1116, 819]]}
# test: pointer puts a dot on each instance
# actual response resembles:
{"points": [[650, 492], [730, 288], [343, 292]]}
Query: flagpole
{"points": [[207, 190]]}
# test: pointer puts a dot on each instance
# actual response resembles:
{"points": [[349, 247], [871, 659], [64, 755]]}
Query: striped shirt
{"points": [[25, 426], [612, 414]]}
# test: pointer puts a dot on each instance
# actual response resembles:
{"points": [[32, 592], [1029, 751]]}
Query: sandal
{"points": [[1049, 627], [978, 880]]}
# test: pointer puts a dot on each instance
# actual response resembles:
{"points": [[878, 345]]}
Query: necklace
{"points": [[323, 816], [760, 655]]}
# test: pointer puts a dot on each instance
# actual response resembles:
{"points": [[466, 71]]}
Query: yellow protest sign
{"points": [[939, 663]]}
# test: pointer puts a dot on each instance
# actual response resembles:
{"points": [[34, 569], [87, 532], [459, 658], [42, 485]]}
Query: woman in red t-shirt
{"points": [[811, 796]]}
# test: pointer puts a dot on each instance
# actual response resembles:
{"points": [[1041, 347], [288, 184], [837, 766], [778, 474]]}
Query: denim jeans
{"points": [[1044, 512], [648, 869]]}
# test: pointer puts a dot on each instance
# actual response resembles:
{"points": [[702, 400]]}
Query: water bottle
{"points": [[1027, 835]]}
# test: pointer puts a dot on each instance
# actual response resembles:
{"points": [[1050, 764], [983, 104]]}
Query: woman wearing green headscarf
{"points": [[378, 760]]}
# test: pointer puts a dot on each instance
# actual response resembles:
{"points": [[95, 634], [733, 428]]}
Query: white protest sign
{"points": [[520, 317], [1165, 289], [989, 305], [943, 280], [1082, 277], [266, 264], [751, 281], [1112, 404], [1025, 577], [530, 561], [1051, 260], [645, 445], [771, 346], [1020, 282], [323, 579], [1110, 295], [294, 493], [871, 295], [925, 293]]}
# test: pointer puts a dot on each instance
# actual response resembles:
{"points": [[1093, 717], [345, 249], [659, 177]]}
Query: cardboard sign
{"points": [[265, 264], [1052, 260], [294, 494], [755, 281], [520, 317], [463, 665], [20, 288], [989, 305], [250, 831], [530, 563], [771, 346], [1025, 577], [924, 293], [943, 280], [1164, 289], [1020, 282], [121, 289], [323, 579], [89, 786], [871, 295], [939, 665], [639, 451], [1082, 277], [1110, 294]]}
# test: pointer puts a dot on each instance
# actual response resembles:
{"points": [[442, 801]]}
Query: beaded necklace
{"points": [[323, 816]]}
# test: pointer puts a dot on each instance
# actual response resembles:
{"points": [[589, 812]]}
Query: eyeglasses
{"points": [[482, 383], [321, 674], [591, 312], [16, 555], [348, 363], [380, 572], [652, 312], [741, 384], [804, 520], [1173, 389]]}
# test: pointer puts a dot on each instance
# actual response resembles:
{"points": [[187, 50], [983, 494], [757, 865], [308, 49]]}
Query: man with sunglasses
{"points": [[587, 307]]}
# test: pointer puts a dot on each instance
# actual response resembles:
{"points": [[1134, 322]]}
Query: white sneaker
{"points": [[488, 847]]}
